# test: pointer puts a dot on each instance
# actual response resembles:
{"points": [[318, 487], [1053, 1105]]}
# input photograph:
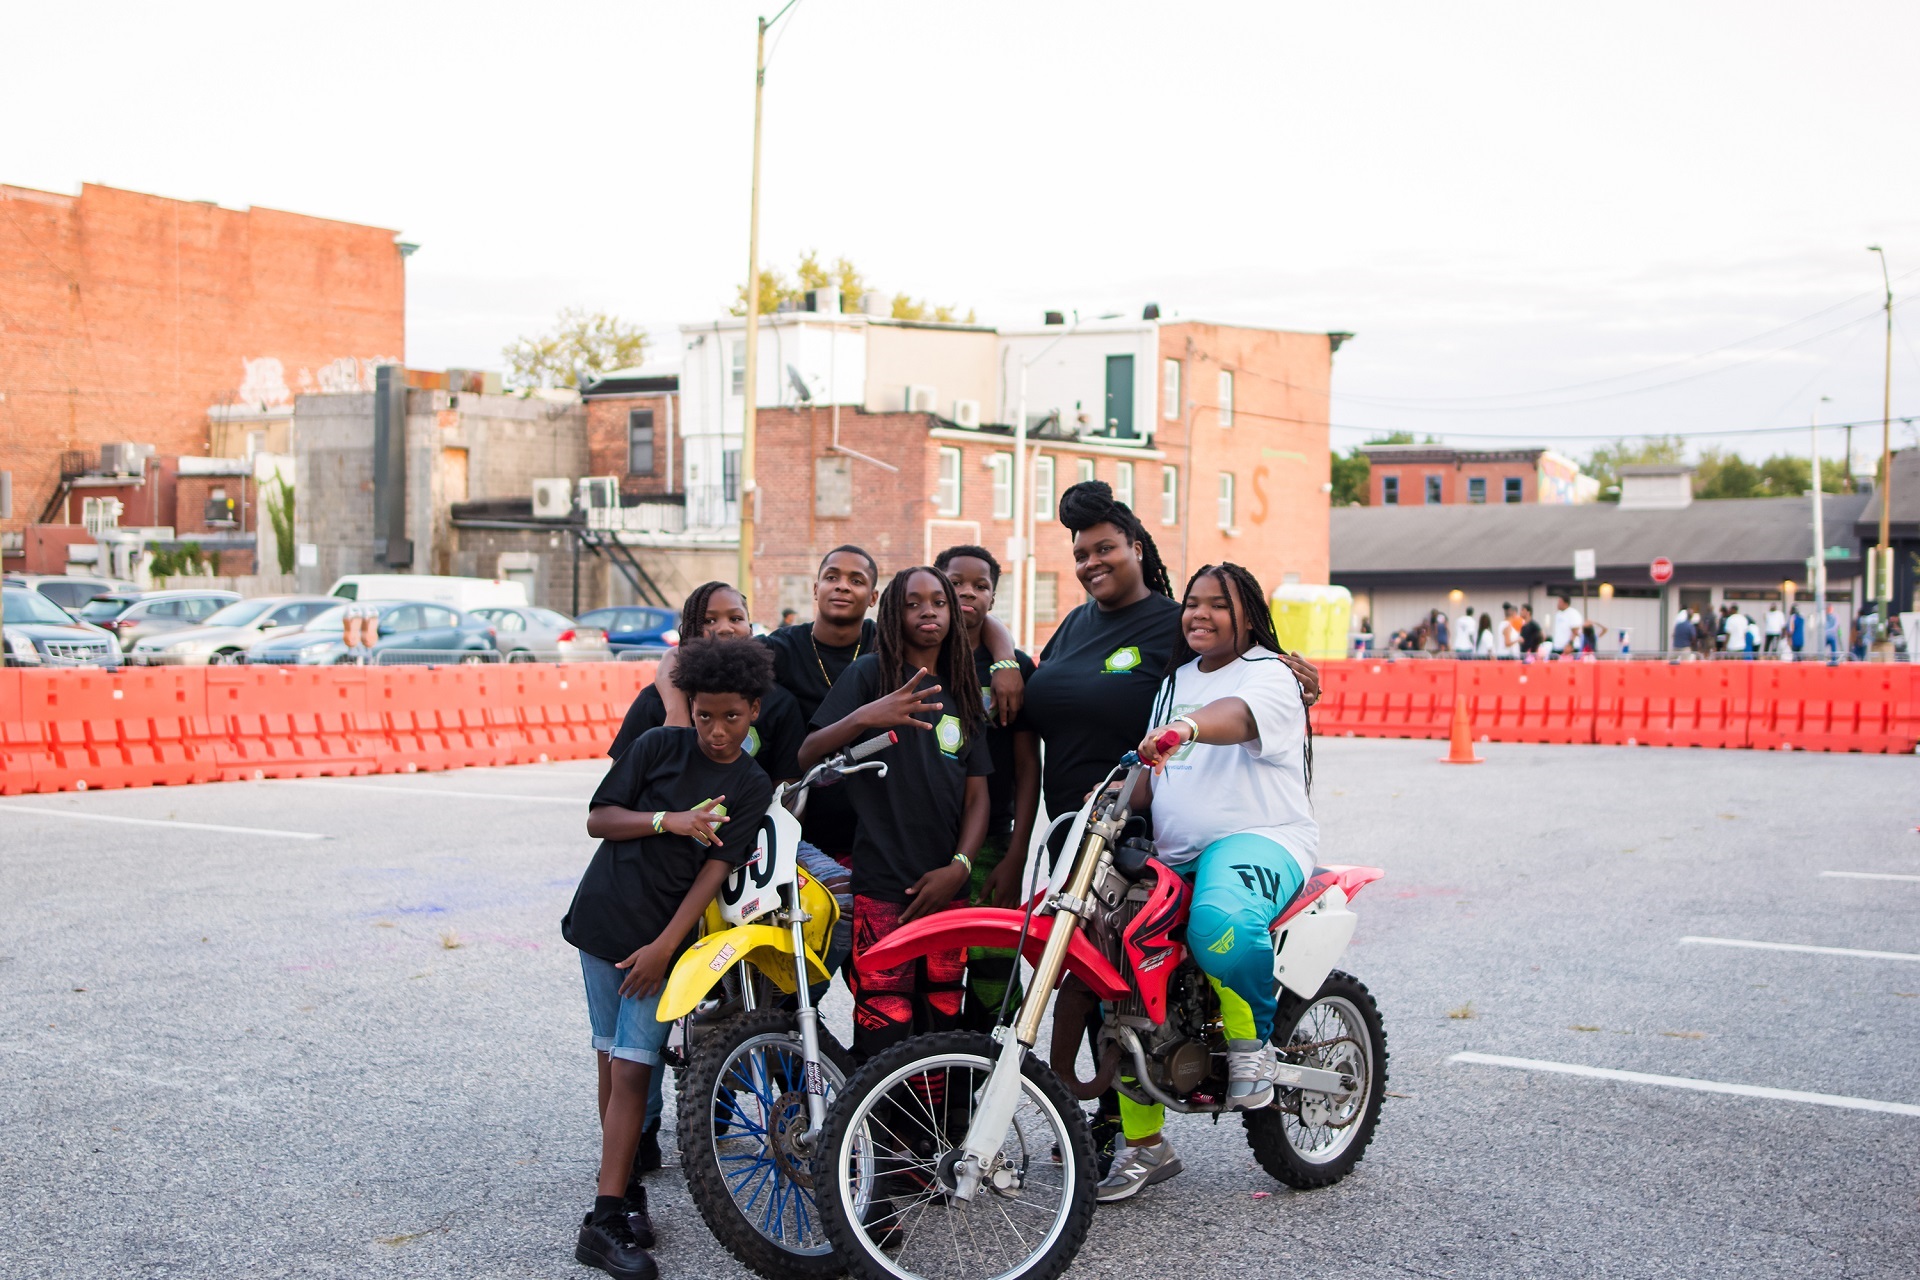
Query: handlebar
{"points": [[873, 746], [857, 759]]}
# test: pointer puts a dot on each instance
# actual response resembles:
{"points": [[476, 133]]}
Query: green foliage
{"points": [[841, 274], [178, 562], [1353, 474], [1721, 473], [581, 346], [1604, 463], [280, 512]]}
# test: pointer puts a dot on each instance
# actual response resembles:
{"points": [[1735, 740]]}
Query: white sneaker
{"points": [[1252, 1072], [1137, 1167]]}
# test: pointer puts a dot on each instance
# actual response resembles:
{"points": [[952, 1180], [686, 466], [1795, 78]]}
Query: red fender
{"points": [[991, 927], [1350, 879]]}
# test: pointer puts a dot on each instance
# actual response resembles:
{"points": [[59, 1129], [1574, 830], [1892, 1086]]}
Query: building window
{"points": [[1046, 597], [1513, 489], [1042, 487], [1123, 483], [639, 442], [1082, 470], [1169, 495], [1433, 491], [1226, 398], [1170, 390], [1226, 500], [1001, 464], [946, 494], [1477, 490], [100, 514], [730, 475], [740, 368], [1389, 491]]}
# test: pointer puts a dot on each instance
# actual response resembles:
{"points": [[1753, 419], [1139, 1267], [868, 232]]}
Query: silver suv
{"points": [[135, 615]]}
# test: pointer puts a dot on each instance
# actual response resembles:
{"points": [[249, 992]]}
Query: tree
{"points": [[581, 346], [841, 274], [1721, 473], [280, 512], [1353, 474], [1604, 463]]}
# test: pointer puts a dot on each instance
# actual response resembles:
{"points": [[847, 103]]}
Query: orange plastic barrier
{"points": [[571, 712], [1855, 707], [22, 742], [1377, 699], [436, 717], [290, 722], [1679, 704], [83, 727], [1528, 701]]}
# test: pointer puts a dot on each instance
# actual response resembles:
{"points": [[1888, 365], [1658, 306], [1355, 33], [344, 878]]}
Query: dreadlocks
{"points": [[693, 614], [1091, 502], [1243, 591], [954, 669]]}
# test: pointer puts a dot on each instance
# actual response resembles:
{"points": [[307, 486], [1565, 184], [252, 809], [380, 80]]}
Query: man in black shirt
{"points": [[1530, 636], [677, 812]]}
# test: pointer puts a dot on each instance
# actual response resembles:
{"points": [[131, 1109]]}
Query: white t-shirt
{"points": [[1208, 792], [1463, 633], [1565, 622], [1776, 621]]}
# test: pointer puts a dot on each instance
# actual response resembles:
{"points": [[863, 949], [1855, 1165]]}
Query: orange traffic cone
{"points": [[1461, 751]]}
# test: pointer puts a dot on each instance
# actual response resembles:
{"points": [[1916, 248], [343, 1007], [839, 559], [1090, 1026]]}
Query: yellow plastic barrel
{"points": [[1313, 620]]}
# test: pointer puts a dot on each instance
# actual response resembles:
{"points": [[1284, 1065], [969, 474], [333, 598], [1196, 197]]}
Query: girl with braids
{"points": [[1230, 811], [919, 827]]}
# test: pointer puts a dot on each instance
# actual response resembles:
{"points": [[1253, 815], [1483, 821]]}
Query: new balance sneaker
{"points": [[1252, 1073], [1135, 1168], [607, 1242]]}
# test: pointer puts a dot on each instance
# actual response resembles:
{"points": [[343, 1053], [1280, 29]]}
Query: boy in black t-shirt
{"points": [[917, 829], [676, 813]]}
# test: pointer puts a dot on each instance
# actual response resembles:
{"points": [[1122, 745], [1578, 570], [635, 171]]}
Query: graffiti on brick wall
{"points": [[264, 380]]}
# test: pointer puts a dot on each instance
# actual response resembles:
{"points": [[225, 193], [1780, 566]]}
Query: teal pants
{"points": [[1240, 884]]}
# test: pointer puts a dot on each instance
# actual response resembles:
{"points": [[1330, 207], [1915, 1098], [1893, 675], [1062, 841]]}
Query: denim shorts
{"points": [[623, 1026]]}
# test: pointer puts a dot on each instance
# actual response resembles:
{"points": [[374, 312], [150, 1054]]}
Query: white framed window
{"points": [[97, 515], [1226, 398], [1083, 470], [1001, 465], [946, 494], [1169, 495], [1043, 487], [740, 368], [1226, 500], [1046, 597], [1170, 390], [1123, 483]]}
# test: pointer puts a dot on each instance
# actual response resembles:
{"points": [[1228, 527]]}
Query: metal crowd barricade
{"points": [[434, 657]]}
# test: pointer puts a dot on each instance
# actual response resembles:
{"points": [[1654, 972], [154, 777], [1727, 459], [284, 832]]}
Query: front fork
{"points": [[809, 1020]]}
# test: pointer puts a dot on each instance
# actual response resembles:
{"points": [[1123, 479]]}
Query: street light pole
{"points": [[1818, 624], [1885, 557]]}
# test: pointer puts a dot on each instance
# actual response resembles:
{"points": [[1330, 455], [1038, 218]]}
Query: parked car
{"points": [[634, 626], [134, 615], [39, 633], [226, 635], [455, 593], [68, 590], [404, 625], [530, 634]]}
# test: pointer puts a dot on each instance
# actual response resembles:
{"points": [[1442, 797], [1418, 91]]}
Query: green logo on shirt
{"points": [[752, 744], [947, 734], [1124, 660]]}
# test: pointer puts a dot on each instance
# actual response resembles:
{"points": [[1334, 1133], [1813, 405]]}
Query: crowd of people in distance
{"points": [[1517, 636]]}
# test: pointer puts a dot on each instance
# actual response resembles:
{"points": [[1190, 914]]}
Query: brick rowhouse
{"points": [[128, 316]]}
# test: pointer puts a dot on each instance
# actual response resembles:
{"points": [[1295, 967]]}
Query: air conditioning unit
{"points": [[922, 400], [966, 413], [552, 499], [124, 459], [600, 500]]}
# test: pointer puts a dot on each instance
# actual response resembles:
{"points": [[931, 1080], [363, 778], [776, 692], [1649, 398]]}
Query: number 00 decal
{"points": [[751, 879]]}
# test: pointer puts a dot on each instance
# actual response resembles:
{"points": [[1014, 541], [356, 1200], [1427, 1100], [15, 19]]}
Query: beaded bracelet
{"points": [[1192, 724], [964, 861], [659, 821], [1005, 664]]}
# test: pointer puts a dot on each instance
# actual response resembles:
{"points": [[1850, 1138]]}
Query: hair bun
{"points": [[1089, 503]]}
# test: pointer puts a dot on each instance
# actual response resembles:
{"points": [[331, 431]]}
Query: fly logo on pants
{"points": [[1268, 885]]}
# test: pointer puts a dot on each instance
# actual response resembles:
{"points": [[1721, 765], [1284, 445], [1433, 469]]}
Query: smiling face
{"points": [[726, 617], [1108, 565], [1214, 621], [972, 580], [844, 589], [925, 612], [722, 721]]}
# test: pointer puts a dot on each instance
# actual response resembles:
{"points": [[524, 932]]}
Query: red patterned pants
{"points": [[889, 1005]]}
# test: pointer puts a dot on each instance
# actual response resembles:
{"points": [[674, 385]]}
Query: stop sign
{"points": [[1661, 570]]}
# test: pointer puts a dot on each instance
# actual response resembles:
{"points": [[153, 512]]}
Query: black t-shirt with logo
{"points": [[632, 888], [1000, 742], [909, 821], [773, 742], [1091, 698], [806, 669]]}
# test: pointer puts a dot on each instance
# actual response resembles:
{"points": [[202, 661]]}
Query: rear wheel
{"points": [[743, 1117], [1310, 1140], [226, 658]]}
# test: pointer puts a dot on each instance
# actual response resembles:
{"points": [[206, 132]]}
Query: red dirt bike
{"points": [[957, 1155]]}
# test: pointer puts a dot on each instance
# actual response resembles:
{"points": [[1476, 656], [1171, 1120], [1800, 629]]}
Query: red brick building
{"points": [[129, 317], [1417, 475], [632, 424]]}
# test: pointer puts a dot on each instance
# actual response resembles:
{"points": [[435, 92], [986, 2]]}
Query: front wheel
{"points": [[1310, 1140], [886, 1165], [743, 1117]]}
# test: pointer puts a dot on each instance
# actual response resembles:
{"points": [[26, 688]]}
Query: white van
{"points": [[456, 593]]}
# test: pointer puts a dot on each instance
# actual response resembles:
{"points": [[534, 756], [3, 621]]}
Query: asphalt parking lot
{"points": [[332, 1030]]}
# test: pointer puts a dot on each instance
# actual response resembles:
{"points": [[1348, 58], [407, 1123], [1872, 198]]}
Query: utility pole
{"points": [[749, 488], [1884, 585], [1817, 625]]}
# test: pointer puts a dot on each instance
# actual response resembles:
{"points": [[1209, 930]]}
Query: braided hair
{"points": [[954, 669], [1239, 582], [1091, 502], [693, 614]]}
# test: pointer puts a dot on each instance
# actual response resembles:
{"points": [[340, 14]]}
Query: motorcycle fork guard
{"points": [[769, 949]]}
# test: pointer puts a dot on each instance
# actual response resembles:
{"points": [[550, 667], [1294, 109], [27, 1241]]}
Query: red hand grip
{"points": [[1167, 741]]}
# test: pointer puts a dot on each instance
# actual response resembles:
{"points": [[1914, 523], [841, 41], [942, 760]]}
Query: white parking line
{"points": [[1796, 946], [1868, 875], [329, 785], [161, 822], [1686, 1082]]}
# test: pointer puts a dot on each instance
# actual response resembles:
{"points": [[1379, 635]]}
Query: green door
{"points": [[1120, 396]]}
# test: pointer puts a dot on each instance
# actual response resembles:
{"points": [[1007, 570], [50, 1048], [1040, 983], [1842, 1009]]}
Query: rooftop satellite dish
{"points": [[799, 385]]}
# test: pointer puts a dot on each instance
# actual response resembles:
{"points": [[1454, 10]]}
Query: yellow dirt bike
{"points": [[760, 1075]]}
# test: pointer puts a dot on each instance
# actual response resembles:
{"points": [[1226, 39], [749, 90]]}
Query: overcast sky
{"points": [[1503, 201]]}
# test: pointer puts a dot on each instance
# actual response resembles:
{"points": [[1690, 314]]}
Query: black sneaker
{"points": [[1106, 1141], [608, 1243], [639, 1221], [646, 1157]]}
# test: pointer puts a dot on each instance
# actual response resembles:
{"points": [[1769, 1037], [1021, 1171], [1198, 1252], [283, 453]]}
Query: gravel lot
{"points": [[246, 1053]]}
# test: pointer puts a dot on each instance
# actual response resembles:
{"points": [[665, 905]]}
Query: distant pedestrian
{"points": [[1831, 633], [1464, 634], [1530, 635], [1798, 632], [1683, 633], [1487, 644], [1776, 626], [1509, 631], [1566, 625], [1440, 632], [789, 616]]}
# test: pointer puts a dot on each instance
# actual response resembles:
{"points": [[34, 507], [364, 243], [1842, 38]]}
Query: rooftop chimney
{"points": [[1056, 317], [1151, 311]]}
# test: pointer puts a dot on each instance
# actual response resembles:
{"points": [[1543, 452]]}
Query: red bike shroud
{"points": [[992, 927], [1350, 879]]}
